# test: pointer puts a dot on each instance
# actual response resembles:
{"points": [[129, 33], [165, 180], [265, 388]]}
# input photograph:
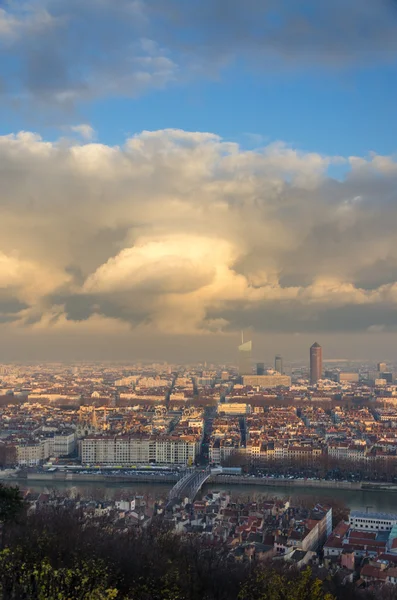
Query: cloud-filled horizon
{"points": [[183, 233], [183, 170]]}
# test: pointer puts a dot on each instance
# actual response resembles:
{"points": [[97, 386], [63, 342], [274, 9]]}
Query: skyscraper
{"points": [[278, 363], [244, 358], [260, 368], [316, 363], [382, 366]]}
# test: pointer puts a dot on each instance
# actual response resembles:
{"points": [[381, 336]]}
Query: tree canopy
{"points": [[11, 503]]}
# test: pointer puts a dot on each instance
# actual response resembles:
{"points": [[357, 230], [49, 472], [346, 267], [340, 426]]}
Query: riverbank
{"points": [[100, 478], [305, 483], [171, 479]]}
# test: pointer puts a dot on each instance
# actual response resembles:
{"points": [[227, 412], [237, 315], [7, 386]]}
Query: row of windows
{"points": [[388, 522]]}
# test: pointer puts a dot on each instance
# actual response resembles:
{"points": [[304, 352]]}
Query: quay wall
{"points": [[214, 479]]}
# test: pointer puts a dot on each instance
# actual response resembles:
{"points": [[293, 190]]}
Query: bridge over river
{"points": [[190, 483]]}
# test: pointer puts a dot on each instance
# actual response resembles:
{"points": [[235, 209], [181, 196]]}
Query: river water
{"points": [[376, 501]]}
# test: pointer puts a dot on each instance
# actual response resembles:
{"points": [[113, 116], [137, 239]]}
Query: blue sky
{"points": [[235, 68], [349, 113]]}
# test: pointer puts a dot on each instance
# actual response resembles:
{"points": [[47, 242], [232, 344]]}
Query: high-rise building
{"points": [[382, 366], [244, 358], [316, 363], [278, 364], [388, 375], [260, 368]]}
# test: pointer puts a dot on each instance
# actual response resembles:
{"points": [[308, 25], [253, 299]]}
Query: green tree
{"points": [[269, 584], [88, 580]]}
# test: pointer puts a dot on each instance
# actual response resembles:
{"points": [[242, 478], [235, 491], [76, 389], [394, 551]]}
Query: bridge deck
{"points": [[190, 484]]}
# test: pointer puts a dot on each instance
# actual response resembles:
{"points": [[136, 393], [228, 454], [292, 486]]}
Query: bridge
{"points": [[190, 484]]}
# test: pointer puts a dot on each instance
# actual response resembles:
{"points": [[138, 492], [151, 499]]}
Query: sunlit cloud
{"points": [[184, 233]]}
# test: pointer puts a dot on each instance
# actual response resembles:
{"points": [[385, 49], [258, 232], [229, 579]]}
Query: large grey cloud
{"points": [[62, 52], [183, 233], [263, 31]]}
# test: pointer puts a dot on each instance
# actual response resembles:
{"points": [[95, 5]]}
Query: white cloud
{"points": [[84, 130], [185, 233], [29, 280]]}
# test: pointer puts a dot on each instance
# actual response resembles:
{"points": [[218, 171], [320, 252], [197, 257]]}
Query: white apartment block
{"points": [[219, 453], [31, 454], [372, 521], [37, 397], [129, 450], [346, 450], [234, 408], [62, 444]]}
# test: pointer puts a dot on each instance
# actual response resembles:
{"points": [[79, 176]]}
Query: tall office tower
{"points": [[260, 368], [316, 363], [382, 366], [244, 358], [278, 363]]}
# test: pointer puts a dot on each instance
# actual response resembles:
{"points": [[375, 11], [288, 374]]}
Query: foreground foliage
{"points": [[56, 553], [19, 579]]}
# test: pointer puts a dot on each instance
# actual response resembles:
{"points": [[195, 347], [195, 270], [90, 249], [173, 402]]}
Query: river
{"points": [[376, 501]]}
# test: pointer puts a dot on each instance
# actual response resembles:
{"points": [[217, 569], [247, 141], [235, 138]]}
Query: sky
{"points": [[174, 172]]}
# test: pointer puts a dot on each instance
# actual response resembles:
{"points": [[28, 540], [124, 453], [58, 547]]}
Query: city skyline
{"points": [[164, 187]]}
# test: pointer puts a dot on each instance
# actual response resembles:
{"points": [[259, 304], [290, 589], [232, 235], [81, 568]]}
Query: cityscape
{"points": [[202, 431], [198, 300]]}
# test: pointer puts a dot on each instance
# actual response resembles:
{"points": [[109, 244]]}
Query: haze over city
{"points": [[182, 171]]}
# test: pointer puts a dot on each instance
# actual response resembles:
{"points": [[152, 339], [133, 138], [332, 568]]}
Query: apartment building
{"points": [[63, 444], [267, 381], [307, 533], [234, 408], [32, 454], [372, 521], [126, 450], [221, 449]]}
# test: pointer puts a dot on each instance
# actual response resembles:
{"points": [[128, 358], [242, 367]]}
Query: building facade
{"points": [[278, 364], [267, 381], [126, 450], [260, 368], [372, 521], [244, 358], [234, 408], [316, 363]]}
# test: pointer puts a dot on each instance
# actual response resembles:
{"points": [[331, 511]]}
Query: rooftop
{"points": [[358, 514]]}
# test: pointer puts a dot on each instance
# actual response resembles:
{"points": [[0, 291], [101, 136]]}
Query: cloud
{"points": [[183, 233], [28, 279], [59, 53], [277, 32], [84, 130]]}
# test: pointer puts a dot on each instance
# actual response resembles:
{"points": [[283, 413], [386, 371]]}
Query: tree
{"points": [[11, 505], [87, 580], [270, 584]]}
